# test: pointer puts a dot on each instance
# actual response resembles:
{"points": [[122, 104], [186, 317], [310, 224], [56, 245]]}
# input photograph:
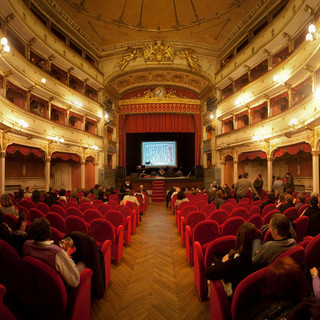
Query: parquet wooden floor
{"points": [[153, 279]]}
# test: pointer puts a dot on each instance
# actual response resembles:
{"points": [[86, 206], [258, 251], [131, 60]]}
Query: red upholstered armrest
{"points": [[79, 300], [189, 235], [128, 223], [198, 256], [119, 235]]}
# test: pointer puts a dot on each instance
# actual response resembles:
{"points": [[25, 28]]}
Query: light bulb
{"points": [[43, 80], [4, 41], [309, 37], [6, 48], [312, 28]]}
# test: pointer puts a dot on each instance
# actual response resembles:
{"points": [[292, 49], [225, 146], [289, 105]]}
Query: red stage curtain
{"points": [[252, 155], [143, 123], [65, 156], [24, 150], [292, 149]]}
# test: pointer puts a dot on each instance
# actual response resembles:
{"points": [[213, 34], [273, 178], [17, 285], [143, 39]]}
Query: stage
{"points": [[168, 181]]}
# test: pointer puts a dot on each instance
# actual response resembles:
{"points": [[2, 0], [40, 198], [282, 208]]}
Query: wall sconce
{"points": [[293, 124], [211, 116], [257, 138], [43, 80], [311, 36], [94, 147], [23, 124], [58, 140], [78, 104], [106, 117], [4, 45]]}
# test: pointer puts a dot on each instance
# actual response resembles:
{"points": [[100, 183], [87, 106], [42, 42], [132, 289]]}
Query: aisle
{"points": [[153, 280]]}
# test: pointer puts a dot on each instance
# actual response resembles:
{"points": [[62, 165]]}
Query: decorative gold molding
{"points": [[157, 52]]}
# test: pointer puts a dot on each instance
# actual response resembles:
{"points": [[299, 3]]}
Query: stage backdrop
{"points": [[185, 148]]}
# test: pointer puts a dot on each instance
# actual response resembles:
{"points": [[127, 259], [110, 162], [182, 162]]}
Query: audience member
{"points": [[258, 184], [219, 201], [42, 248], [280, 228], [168, 197], [237, 264], [181, 197], [243, 185], [62, 195], [74, 195], [125, 187], [96, 189], [315, 281], [130, 197], [289, 183], [102, 196], [36, 196], [278, 185], [19, 234], [313, 213], [271, 200], [20, 195], [28, 193], [50, 198], [288, 203], [5, 230], [301, 200], [85, 195], [280, 201], [7, 207]]}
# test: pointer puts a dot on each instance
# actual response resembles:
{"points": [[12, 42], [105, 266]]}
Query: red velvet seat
{"points": [[201, 203], [43, 207], [231, 226], [117, 218], [10, 220], [97, 202], [202, 262], [49, 298], [73, 204], [135, 210], [61, 203], [243, 204], [257, 203], [56, 235], [73, 211], [91, 214], [266, 218], [256, 220], [205, 232], [56, 221], [268, 208], [28, 203], [21, 209], [5, 313], [35, 213], [232, 201], [75, 223], [128, 213], [227, 207], [239, 212], [180, 208], [87, 205], [114, 197], [254, 210], [106, 251], [312, 256], [301, 227], [102, 230], [184, 213], [103, 208], [82, 201], [219, 302], [291, 213], [267, 237], [113, 203], [208, 209], [245, 199], [247, 293], [58, 209], [219, 216], [141, 205], [303, 207]]}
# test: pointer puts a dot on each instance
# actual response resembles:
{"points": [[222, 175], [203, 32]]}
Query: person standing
{"points": [[258, 184], [289, 183], [278, 185], [243, 185]]}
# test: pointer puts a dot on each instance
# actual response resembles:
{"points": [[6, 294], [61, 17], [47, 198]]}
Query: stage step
{"points": [[158, 191]]}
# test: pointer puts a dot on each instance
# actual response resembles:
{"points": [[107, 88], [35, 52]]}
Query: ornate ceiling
{"points": [[110, 23]]}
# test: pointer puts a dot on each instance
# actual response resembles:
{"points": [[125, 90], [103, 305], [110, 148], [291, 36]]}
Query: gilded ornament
{"points": [[158, 52], [191, 58], [129, 56]]}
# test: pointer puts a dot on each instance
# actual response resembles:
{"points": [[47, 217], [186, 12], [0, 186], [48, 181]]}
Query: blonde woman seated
{"points": [[7, 207]]}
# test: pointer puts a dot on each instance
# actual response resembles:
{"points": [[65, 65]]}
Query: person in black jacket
{"points": [[237, 264]]}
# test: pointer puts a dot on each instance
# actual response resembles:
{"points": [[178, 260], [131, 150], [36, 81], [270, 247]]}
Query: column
{"points": [[222, 172], [268, 107], [47, 174], [84, 123], [269, 168], [2, 172], [235, 171], [96, 172], [315, 170], [83, 174]]}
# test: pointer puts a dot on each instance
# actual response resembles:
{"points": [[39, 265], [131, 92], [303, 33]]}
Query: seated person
{"points": [[86, 195], [289, 203], [62, 195], [181, 197], [36, 197], [130, 197], [7, 206], [28, 193], [42, 248], [313, 213], [271, 200], [280, 228], [50, 198], [237, 264], [301, 200], [219, 201]]}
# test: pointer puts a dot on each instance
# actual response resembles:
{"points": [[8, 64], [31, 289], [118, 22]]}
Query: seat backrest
{"points": [[296, 253], [131, 205], [10, 220], [208, 209], [116, 218], [256, 203], [73, 211], [114, 197], [49, 295], [201, 203], [227, 206], [56, 235], [82, 201], [97, 202], [266, 218], [56, 221], [113, 203], [239, 212], [86, 206], [303, 207], [206, 231], [243, 204], [301, 227], [312, 256], [232, 201], [43, 207], [195, 217], [35, 213], [231, 226], [28, 203], [103, 208], [254, 210], [21, 208], [183, 205], [186, 210], [58, 209], [61, 203], [101, 230], [256, 220], [268, 208], [245, 199], [75, 223], [91, 214], [124, 209], [220, 216], [247, 293], [291, 213], [219, 246]]}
